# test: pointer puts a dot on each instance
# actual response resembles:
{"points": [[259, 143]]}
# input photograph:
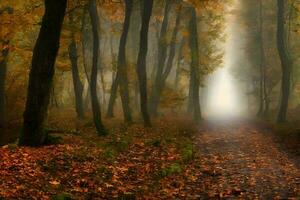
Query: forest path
{"points": [[247, 161]]}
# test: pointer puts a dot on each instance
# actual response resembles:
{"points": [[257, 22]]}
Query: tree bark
{"points": [[3, 69], [177, 76], [41, 74], [94, 73], [78, 87], [84, 41], [141, 63], [115, 84], [162, 54], [285, 62], [122, 68], [172, 50], [262, 91], [113, 96], [195, 80]]}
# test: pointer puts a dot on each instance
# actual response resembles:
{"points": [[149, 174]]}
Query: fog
{"points": [[225, 96]]}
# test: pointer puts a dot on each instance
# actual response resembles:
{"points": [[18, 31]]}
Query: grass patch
{"points": [[187, 153], [110, 154], [174, 168]]}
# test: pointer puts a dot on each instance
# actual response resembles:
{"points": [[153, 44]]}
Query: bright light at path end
{"points": [[223, 97]]}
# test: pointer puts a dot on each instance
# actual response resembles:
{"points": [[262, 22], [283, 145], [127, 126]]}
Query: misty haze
{"points": [[149, 99]]}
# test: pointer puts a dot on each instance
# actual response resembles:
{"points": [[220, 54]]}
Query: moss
{"points": [[174, 168], [187, 153]]}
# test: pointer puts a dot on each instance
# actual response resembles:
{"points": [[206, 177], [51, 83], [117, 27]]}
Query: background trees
{"points": [[262, 21], [171, 60]]}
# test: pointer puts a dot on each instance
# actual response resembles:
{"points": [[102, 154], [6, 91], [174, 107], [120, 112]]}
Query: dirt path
{"points": [[247, 163]]}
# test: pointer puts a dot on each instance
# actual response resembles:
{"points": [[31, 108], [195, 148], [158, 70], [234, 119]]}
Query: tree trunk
{"points": [[3, 69], [177, 76], [285, 63], [41, 74], [115, 84], [172, 50], [78, 87], [122, 68], [262, 97], [169, 64], [162, 54], [141, 63], [84, 46], [113, 97], [94, 73], [190, 106], [195, 80]]}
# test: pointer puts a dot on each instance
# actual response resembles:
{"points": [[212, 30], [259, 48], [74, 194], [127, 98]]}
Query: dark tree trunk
{"points": [[122, 68], [162, 54], [169, 64], [195, 80], [78, 87], [41, 74], [102, 77], [3, 69], [177, 76], [84, 46], [285, 63], [113, 97], [115, 84], [172, 51], [94, 73], [190, 106], [141, 63], [261, 64]]}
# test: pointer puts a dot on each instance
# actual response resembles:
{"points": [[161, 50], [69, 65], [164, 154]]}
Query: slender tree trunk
{"points": [[78, 87], [262, 59], [169, 64], [141, 63], [155, 55], [190, 106], [114, 86], [195, 80], [285, 62], [103, 87], [3, 69], [172, 50], [94, 73], [84, 36], [266, 93], [122, 68], [177, 76], [113, 96], [102, 79], [41, 74], [162, 54]]}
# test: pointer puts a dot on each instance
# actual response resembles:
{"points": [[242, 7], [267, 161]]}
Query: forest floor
{"points": [[172, 160]]}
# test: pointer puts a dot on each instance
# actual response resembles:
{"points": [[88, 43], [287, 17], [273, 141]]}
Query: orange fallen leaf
{"points": [[54, 182]]}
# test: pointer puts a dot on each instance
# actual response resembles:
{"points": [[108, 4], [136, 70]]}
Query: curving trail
{"points": [[247, 163]]}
